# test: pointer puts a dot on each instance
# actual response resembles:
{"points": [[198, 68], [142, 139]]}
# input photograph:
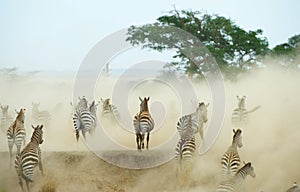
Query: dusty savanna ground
{"points": [[271, 139]]}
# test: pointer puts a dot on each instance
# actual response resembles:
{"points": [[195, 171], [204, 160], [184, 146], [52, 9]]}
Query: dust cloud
{"points": [[270, 139]]}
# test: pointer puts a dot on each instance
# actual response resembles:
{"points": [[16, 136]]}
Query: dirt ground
{"points": [[270, 140]]}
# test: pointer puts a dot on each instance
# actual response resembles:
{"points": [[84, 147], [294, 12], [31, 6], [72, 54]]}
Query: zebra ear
{"points": [[41, 126], [32, 126], [234, 130], [148, 99], [141, 99]]}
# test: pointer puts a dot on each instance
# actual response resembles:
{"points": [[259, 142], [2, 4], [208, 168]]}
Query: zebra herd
{"points": [[188, 125], [85, 121], [30, 156]]}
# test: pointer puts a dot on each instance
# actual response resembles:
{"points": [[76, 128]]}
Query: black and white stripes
{"points": [[16, 133], [29, 158], [185, 148], [193, 121], [231, 160], [84, 118], [240, 114], [143, 124], [6, 119], [39, 117], [235, 184], [109, 111]]}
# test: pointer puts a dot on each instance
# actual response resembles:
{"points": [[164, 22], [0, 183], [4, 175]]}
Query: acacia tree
{"points": [[233, 48], [288, 54]]}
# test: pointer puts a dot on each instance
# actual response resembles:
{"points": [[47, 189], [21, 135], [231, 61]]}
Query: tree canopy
{"points": [[233, 48], [287, 54]]}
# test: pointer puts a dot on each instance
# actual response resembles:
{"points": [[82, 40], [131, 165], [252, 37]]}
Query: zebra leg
{"points": [[18, 148], [27, 184], [142, 140], [83, 134], [21, 182], [10, 155], [40, 164], [77, 135], [138, 141], [148, 134]]}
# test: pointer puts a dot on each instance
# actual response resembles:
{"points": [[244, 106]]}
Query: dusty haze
{"points": [[271, 139]]}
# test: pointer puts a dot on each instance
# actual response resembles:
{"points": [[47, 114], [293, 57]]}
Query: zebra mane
{"points": [[20, 113], [236, 133], [37, 130]]}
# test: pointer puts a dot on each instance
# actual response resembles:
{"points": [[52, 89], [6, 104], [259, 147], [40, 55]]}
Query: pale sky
{"points": [[56, 35]]}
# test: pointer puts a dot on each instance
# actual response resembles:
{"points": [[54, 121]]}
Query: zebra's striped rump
{"points": [[230, 161], [193, 121], [16, 133], [235, 184], [84, 119], [30, 157], [143, 124], [109, 110]]}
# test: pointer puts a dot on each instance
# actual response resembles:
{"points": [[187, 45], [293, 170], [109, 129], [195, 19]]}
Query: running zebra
{"points": [[30, 157], [143, 123], [240, 114], [82, 104], [39, 117], [231, 160], [16, 133], [84, 120], [236, 183], [294, 188], [184, 154], [109, 110], [6, 119], [194, 121]]}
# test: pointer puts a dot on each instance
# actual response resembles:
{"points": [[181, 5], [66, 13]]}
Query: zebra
{"points": [[82, 104], [39, 117], [109, 110], [194, 121], [6, 119], [235, 184], [84, 120], [294, 188], [240, 114], [184, 155], [30, 157], [16, 133], [230, 161], [143, 123]]}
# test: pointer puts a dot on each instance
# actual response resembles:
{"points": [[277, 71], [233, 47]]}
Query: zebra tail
{"points": [[254, 109], [77, 135]]}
